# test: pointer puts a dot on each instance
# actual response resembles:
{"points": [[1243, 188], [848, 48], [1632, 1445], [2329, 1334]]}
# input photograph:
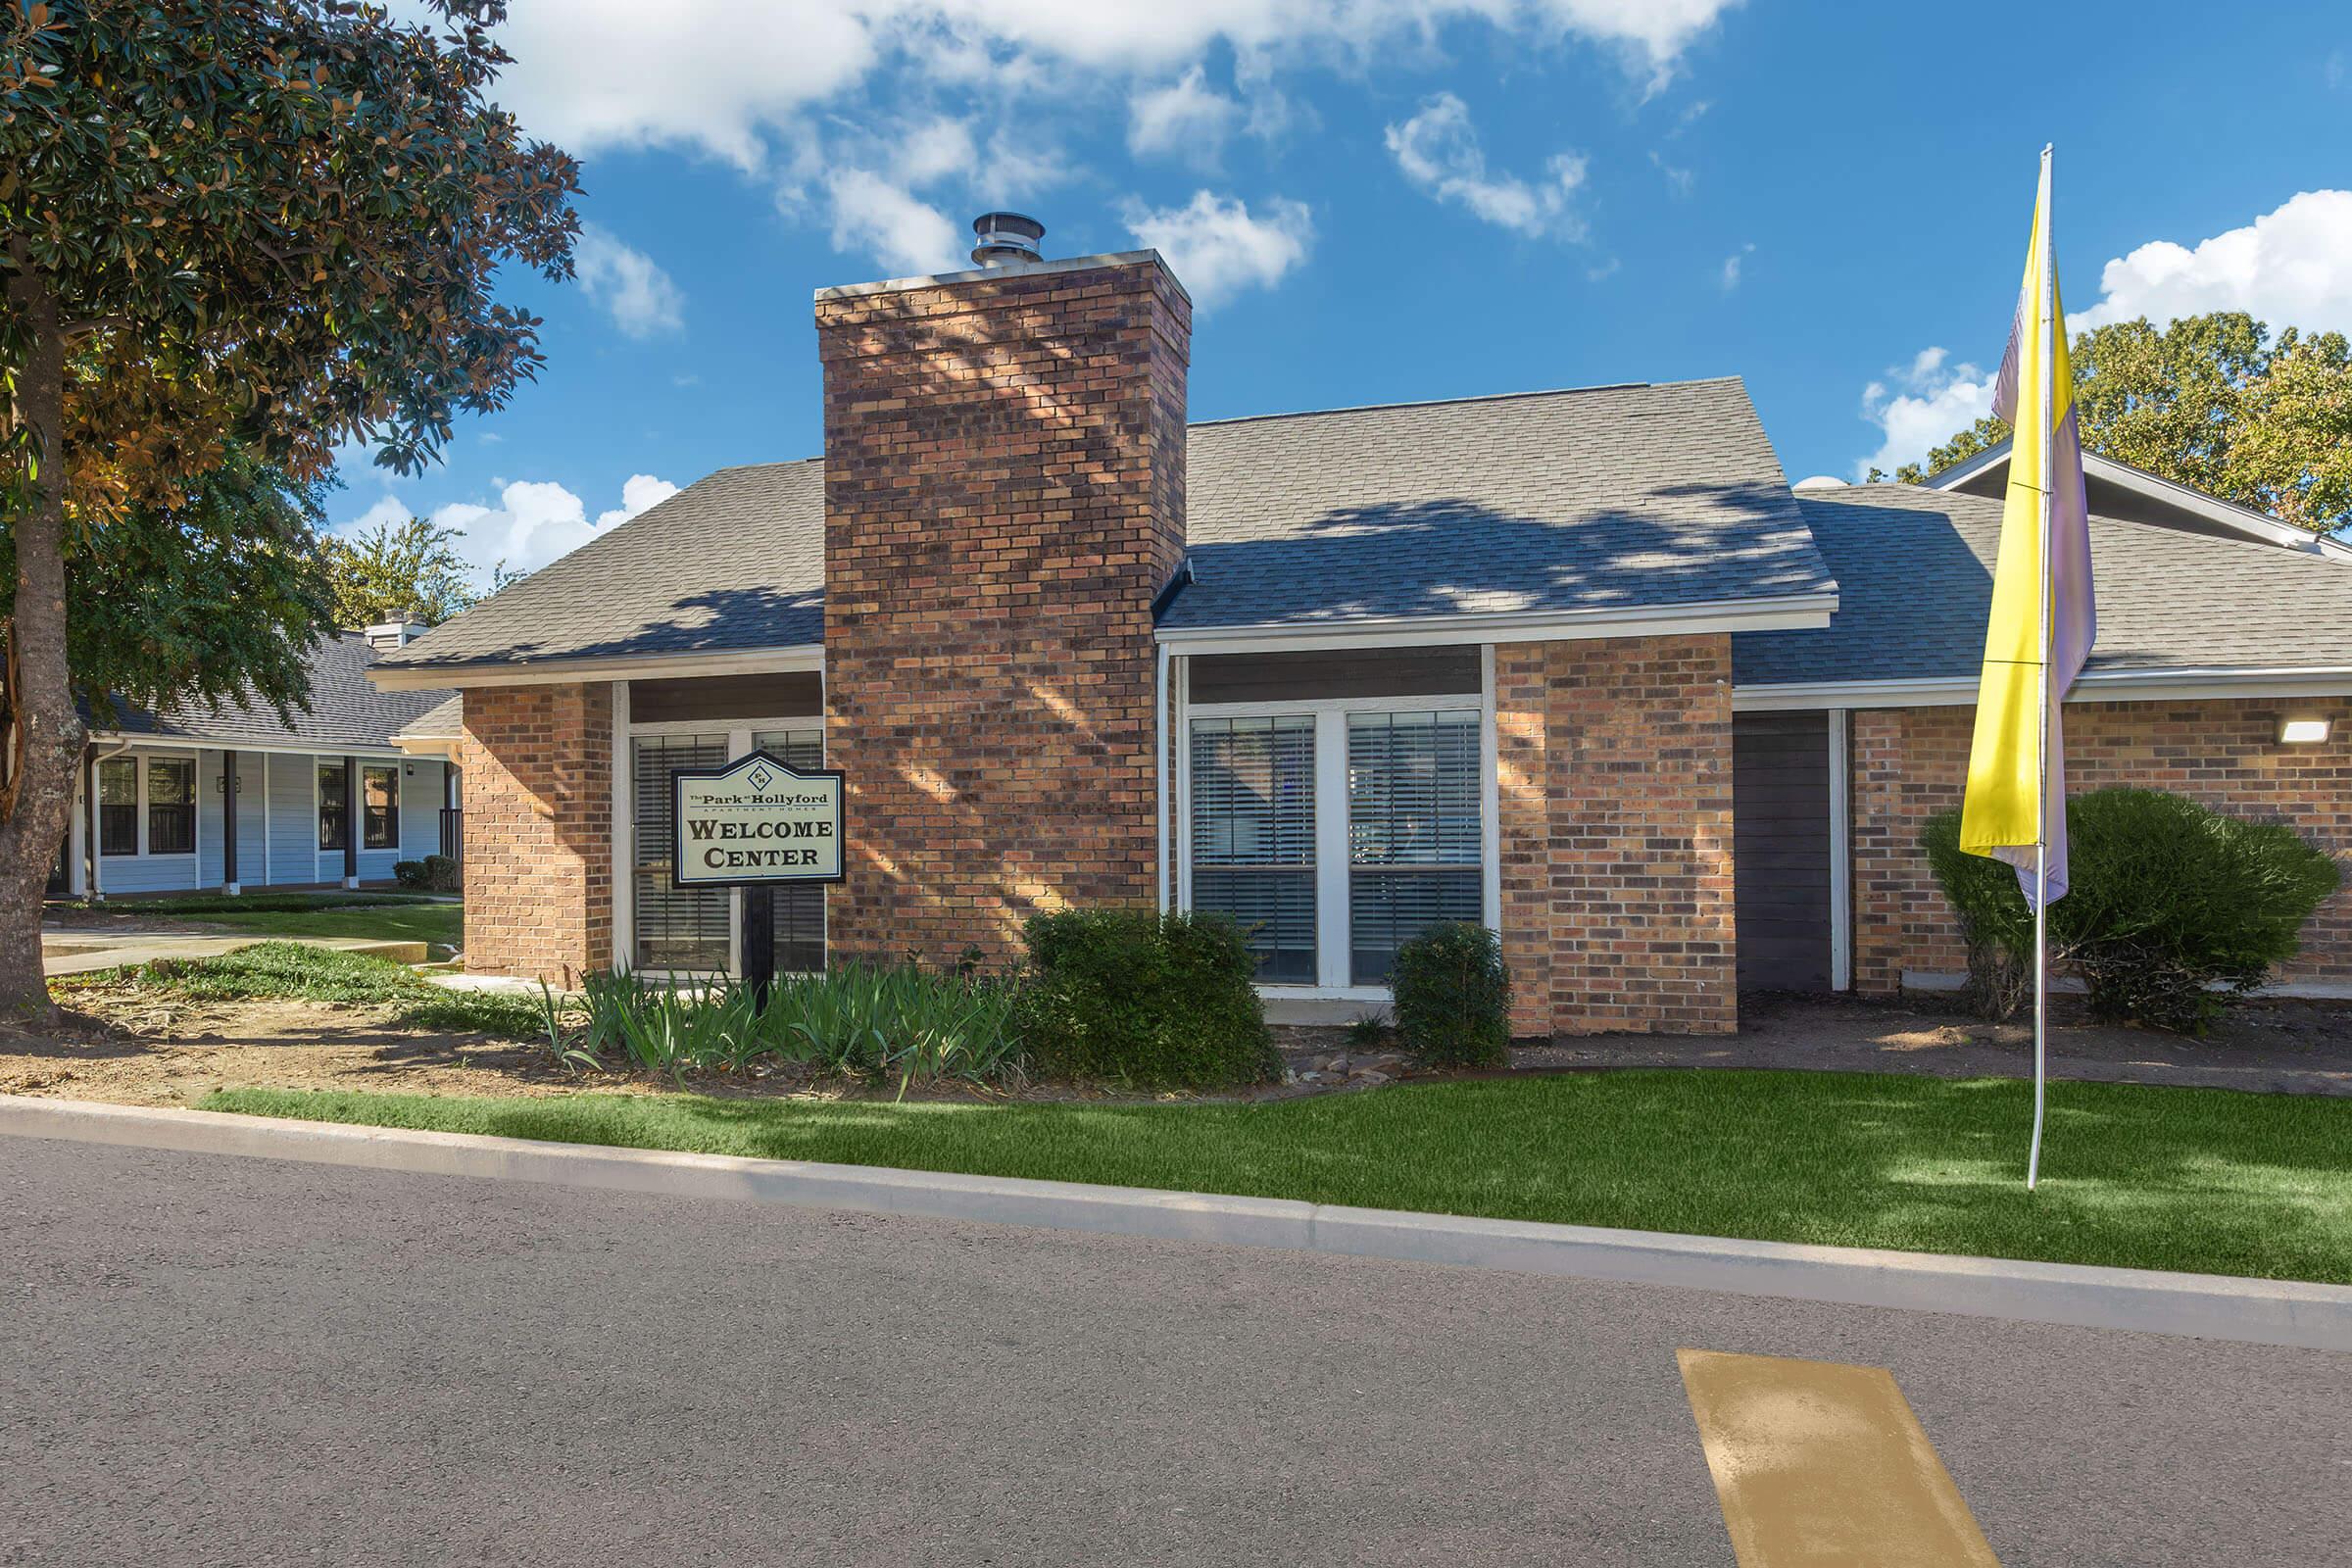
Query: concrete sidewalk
{"points": [[68, 950]]}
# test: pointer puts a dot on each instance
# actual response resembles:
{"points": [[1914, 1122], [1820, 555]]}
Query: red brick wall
{"points": [[1909, 764], [537, 778], [1614, 764], [1004, 498]]}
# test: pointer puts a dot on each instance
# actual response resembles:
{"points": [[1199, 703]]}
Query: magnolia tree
{"points": [[231, 232]]}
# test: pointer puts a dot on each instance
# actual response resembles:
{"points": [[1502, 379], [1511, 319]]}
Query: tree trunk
{"points": [[52, 731]]}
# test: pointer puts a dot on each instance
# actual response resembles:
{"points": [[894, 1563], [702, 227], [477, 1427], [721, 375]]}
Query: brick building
{"points": [[1582, 666]]}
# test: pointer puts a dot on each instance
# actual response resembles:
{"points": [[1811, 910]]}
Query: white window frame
{"points": [[739, 733], [142, 757], [1330, 715]]}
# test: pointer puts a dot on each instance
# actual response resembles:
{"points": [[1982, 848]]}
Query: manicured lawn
{"points": [[288, 971], [2204, 1180], [386, 916], [443, 924]]}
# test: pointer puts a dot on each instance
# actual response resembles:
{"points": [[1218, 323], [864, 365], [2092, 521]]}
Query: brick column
{"points": [[1615, 766], [536, 764], [1004, 498]]}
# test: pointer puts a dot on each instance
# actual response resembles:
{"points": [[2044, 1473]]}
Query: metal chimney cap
{"points": [[1007, 239]]}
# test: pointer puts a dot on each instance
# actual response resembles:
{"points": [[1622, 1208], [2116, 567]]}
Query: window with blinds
{"points": [[1253, 836], [800, 906], [1414, 834], [677, 929]]}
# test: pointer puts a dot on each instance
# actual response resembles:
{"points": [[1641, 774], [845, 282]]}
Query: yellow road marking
{"points": [[1821, 1465]]}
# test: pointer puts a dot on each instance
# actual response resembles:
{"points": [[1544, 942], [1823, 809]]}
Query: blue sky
{"points": [[1389, 199]]}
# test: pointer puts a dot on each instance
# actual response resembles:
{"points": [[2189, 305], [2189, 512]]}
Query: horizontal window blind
{"points": [[1253, 836], [1414, 839], [677, 929], [1413, 788]]}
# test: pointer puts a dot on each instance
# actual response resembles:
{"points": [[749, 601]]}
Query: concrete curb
{"points": [[2142, 1301]]}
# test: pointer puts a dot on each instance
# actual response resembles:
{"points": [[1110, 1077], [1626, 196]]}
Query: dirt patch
{"points": [[139, 1048]]}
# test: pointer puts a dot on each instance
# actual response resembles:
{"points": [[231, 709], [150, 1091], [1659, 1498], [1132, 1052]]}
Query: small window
{"points": [[171, 805], [381, 803], [118, 805], [334, 807]]}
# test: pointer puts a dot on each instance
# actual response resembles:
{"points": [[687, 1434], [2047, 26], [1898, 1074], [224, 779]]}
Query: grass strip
{"points": [[242, 904], [2209, 1181], [291, 972]]}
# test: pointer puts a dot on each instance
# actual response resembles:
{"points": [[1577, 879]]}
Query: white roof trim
{"points": [[1794, 612], [207, 743], [638, 666], [2245, 521], [2094, 686]]}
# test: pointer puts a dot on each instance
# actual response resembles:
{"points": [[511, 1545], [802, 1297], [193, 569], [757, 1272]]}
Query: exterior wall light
{"points": [[2302, 731]]}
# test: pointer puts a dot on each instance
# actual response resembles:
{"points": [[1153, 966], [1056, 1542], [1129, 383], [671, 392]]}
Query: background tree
{"points": [[216, 601], [2212, 403], [268, 225], [412, 566]]}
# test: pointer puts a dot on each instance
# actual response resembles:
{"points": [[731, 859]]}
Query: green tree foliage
{"points": [[274, 226], [2170, 901], [212, 601], [2213, 403], [412, 566]]}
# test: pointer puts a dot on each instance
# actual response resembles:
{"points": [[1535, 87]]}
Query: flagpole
{"points": [[2041, 791]]}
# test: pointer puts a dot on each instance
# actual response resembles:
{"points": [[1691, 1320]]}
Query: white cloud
{"points": [[1730, 277], [1438, 152], [1186, 119], [1218, 248], [640, 295], [1930, 401], [2291, 267], [723, 77], [1678, 180], [534, 522], [890, 223]]}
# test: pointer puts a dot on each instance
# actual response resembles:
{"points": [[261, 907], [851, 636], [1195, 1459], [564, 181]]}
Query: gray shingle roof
{"points": [[1606, 497], [730, 563], [1914, 570], [444, 721], [346, 708]]}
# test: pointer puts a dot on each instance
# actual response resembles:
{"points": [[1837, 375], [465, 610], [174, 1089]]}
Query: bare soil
{"points": [[141, 1050]]}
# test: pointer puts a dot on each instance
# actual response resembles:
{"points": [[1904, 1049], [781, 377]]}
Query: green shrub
{"points": [[1136, 996], [440, 873], [1453, 996], [409, 875], [2174, 909]]}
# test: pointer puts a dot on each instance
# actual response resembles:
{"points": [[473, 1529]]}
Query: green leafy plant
{"points": [[1453, 996], [440, 873], [561, 1044], [861, 1021], [409, 873], [1136, 996], [2174, 909], [1367, 1031]]}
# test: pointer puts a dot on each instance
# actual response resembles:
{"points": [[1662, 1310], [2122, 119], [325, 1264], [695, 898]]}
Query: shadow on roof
{"points": [[1459, 557]]}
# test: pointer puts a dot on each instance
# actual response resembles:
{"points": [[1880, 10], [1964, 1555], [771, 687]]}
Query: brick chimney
{"points": [[1004, 499]]}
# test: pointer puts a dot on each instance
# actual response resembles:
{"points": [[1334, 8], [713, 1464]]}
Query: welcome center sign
{"points": [[755, 820]]}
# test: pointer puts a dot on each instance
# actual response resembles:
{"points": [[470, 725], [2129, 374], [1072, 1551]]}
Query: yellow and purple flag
{"points": [[2016, 796]]}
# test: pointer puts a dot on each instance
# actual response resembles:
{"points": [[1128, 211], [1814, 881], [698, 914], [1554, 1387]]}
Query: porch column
{"points": [[89, 775], [352, 818], [228, 824]]}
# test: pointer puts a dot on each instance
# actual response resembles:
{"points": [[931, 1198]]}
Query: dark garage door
{"points": [[1781, 850]]}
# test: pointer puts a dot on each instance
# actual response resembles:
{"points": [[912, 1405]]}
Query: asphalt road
{"points": [[210, 1360]]}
